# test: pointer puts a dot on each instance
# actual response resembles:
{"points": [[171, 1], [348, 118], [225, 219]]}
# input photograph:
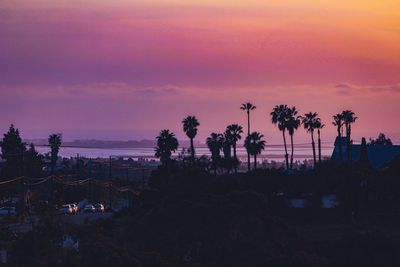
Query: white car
{"points": [[99, 207], [7, 211], [66, 209], [89, 209]]}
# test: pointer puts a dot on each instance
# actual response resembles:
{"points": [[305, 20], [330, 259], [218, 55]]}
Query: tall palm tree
{"points": [[310, 122], [215, 143], [319, 126], [248, 107], [254, 145], [166, 144], [54, 143], [348, 118], [233, 133], [279, 117], [190, 124], [227, 149], [293, 122], [338, 122]]}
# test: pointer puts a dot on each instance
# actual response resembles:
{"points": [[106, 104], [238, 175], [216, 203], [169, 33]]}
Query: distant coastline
{"points": [[94, 143]]}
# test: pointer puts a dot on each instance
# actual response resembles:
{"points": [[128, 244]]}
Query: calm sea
{"points": [[275, 152]]}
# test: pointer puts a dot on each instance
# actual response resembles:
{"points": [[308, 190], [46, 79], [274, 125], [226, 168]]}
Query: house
{"points": [[378, 155]]}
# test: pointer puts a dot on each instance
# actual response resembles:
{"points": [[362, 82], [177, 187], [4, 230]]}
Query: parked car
{"points": [[89, 209], [7, 211], [99, 207], [66, 209], [74, 207]]}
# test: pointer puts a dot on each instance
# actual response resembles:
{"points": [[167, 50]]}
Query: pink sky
{"points": [[123, 70]]}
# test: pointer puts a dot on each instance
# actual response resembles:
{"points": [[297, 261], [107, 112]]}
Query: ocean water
{"points": [[275, 153]]}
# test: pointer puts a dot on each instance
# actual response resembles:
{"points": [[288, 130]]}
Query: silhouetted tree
{"points": [[254, 145], [13, 150], [190, 124], [166, 144], [310, 122], [248, 107], [33, 162], [293, 122], [338, 122], [364, 152], [215, 143], [279, 117], [54, 143], [233, 132], [381, 140], [319, 127], [348, 118], [227, 150]]}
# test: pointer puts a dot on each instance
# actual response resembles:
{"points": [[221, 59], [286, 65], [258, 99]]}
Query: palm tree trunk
{"points": [[248, 133], [349, 156], [52, 163], [340, 144], [347, 143], [255, 162], [319, 147], [214, 163], [234, 156], [192, 149], [286, 153], [291, 156], [313, 148]]}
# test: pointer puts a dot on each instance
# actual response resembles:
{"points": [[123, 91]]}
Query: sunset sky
{"points": [[119, 69]]}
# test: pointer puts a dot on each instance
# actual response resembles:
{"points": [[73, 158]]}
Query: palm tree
{"points": [[226, 148], [166, 144], [319, 126], [54, 143], [254, 145], [215, 143], [338, 122], [233, 132], [310, 122], [190, 124], [248, 107], [279, 116], [348, 118], [293, 122]]}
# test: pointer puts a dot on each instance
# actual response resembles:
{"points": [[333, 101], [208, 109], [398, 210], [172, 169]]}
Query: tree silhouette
{"points": [[310, 122], [248, 107], [381, 140], [13, 150], [54, 143], [348, 118], [338, 122], [364, 152], [319, 126], [215, 144], [190, 124], [166, 144], [33, 162], [293, 122], [232, 133], [227, 150], [279, 117], [254, 145]]}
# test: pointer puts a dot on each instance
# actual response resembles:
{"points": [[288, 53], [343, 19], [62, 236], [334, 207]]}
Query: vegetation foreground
{"points": [[193, 218]]}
